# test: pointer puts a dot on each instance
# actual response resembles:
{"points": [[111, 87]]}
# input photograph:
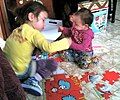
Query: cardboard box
{"points": [[99, 9]]}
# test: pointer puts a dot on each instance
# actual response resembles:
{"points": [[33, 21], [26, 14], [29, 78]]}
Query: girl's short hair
{"points": [[23, 11], [85, 15]]}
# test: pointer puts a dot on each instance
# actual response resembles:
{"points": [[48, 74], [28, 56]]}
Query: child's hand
{"points": [[61, 28]]}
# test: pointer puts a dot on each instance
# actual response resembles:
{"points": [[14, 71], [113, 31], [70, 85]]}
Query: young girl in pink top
{"points": [[82, 35]]}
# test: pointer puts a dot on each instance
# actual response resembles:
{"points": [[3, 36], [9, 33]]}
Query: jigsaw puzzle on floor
{"points": [[63, 87], [69, 87]]}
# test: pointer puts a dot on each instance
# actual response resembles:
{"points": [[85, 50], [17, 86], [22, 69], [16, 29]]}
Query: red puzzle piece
{"points": [[111, 76]]}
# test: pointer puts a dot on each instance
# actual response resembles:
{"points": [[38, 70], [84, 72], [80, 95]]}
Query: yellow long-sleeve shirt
{"points": [[21, 43]]}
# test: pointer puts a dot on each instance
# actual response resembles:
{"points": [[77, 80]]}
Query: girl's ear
{"points": [[86, 26], [31, 16]]}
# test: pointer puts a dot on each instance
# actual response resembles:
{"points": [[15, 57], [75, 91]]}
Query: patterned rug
{"points": [[101, 82]]}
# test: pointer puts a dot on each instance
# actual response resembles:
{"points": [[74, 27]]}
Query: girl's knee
{"points": [[51, 64]]}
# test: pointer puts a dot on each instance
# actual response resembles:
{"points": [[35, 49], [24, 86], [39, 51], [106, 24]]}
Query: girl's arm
{"points": [[42, 43], [66, 31]]}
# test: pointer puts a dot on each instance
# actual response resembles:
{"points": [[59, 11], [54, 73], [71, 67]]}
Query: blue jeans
{"points": [[26, 74], [44, 67]]}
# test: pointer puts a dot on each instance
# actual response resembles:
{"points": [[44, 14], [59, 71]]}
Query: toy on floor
{"points": [[63, 87]]}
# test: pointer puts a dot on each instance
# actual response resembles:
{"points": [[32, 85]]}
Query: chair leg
{"points": [[109, 9], [114, 10]]}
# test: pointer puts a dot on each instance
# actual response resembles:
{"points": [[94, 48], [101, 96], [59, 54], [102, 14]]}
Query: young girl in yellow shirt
{"points": [[21, 43]]}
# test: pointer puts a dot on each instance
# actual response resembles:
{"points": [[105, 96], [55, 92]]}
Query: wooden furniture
{"points": [[47, 3], [4, 25]]}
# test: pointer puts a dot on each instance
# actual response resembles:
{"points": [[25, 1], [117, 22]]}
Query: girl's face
{"points": [[39, 22], [71, 17], [77, 23]]}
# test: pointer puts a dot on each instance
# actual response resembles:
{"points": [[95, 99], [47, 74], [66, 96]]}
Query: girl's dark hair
{"points": [[85, 15], [23, 11]]}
